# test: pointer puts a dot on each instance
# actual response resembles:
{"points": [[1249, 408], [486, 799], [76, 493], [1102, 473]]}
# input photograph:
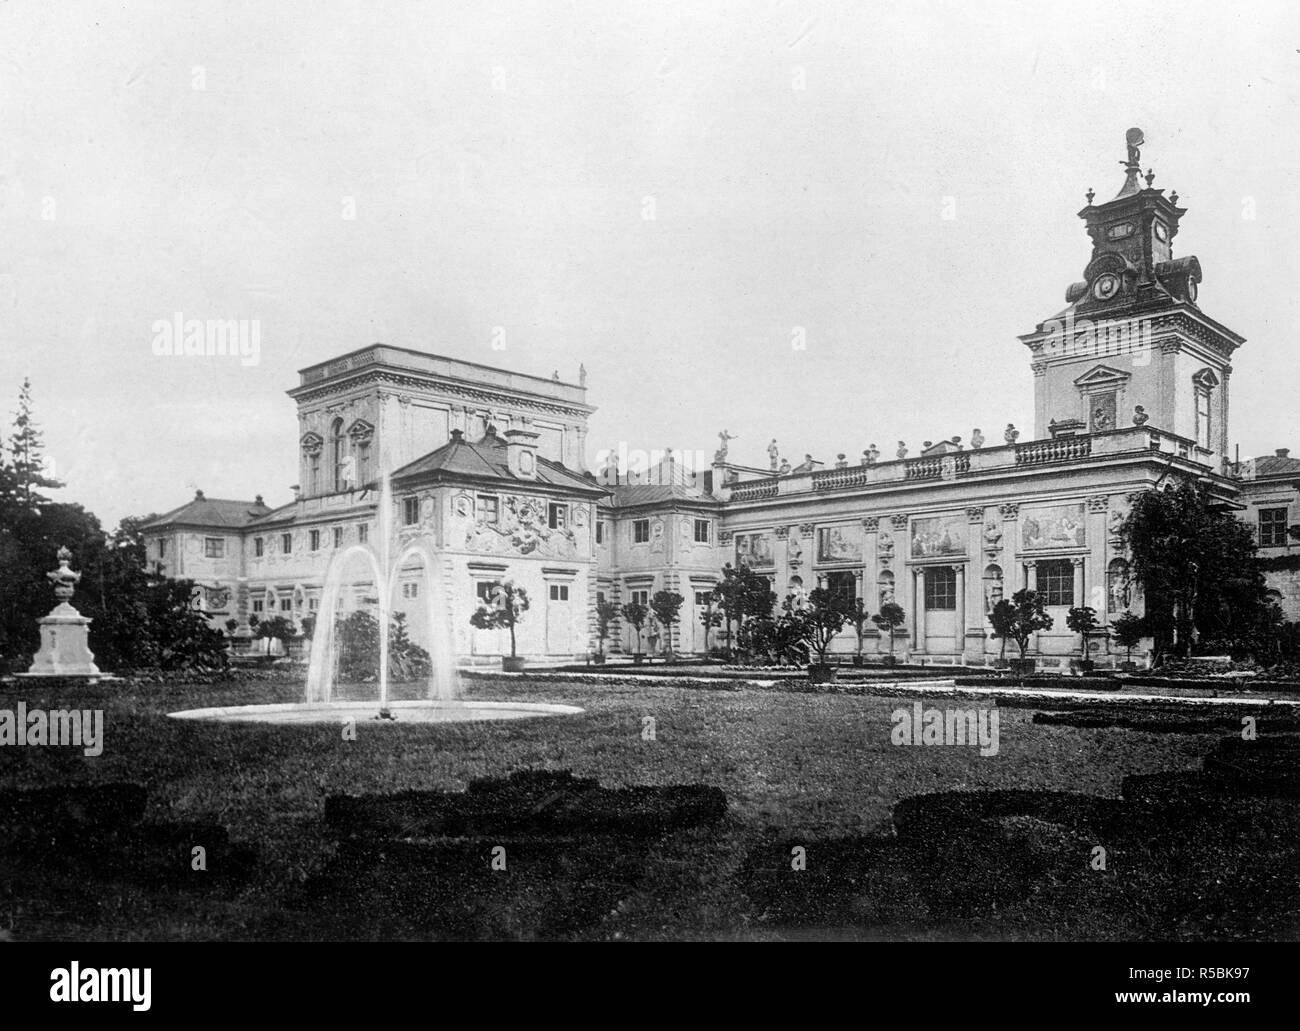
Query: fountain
{"points": [[441, 703]]}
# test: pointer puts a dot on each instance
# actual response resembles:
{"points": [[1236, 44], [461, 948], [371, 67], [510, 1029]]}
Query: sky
{"points": [[821, 222]]}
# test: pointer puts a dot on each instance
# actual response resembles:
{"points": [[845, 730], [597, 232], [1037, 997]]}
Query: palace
{"points": [[1131, 386]]}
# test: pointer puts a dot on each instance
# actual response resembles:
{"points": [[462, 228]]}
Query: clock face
{"points": [[1106, 286], [1162, 234], [1120, 231]]}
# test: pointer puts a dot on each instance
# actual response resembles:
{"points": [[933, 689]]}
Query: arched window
{"points": [[338, 451]]}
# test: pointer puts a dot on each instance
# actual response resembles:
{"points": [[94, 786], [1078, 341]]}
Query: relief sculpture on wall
{"points": [[522, 530]]}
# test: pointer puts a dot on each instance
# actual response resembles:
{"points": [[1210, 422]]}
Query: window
{"points": [[162, 547], [559, 592], [641, 598], [1272, 527], [315, 540], [483, 591], [338, 536], [488, 508], [556, 516], [1205, 383], [640, 531], [844, 586], [1056, 581], [286, 604], [941, 587], [600, 532], [701, 531], [259, 547], [214, 547], [363, 532], [286, 542], [313, 604], [363, 464], [410, 590], [313, 478], [410, 511], [703, 599], [259, 605], [338, 451]]}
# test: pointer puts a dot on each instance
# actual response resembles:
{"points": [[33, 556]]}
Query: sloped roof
{"points": [[1277, 465], [219, 513], [281, 514], [630, 495], [486, 460]]}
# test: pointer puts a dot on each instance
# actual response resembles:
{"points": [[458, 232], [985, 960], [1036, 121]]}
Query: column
{"points": [[960, 632], [1079, 599], [918, 605]]}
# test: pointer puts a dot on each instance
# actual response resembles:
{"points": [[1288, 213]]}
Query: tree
{"points": [[818, 618], [277, 628], [743, 594], [508, 603], [357, 637], [635, 613], [1196, 566], [1128, 631], [26, 450], [859, 617], [1083, 621], [667, 609], [890, 617], [606, 613], [1021, 617]]}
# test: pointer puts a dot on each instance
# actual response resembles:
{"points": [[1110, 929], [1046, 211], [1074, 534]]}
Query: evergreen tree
{"points": [[26, 456]]}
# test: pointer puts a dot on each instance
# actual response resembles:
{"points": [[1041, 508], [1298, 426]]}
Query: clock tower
{"points": [[1133, 347]]}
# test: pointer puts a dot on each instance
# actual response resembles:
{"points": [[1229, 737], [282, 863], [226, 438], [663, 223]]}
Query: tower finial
{"points": [[1134, 140]]}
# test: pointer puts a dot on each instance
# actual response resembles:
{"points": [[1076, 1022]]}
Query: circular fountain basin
{"points": [[403, 712]]}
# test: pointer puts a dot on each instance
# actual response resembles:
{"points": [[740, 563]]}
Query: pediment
{"points": [[1102, 376]]}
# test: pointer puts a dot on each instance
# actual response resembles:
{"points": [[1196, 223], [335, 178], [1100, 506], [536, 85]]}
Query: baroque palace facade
{"points": [[1131, 384]]}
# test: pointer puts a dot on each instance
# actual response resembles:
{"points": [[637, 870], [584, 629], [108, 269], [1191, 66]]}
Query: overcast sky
{"points": [[502, 162]]}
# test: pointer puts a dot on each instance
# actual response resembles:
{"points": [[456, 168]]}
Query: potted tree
{"points": [[817, 619], [1128, 631], [1026, 617], [635, 613], [890, 617], [606, 613], [1082, 619], [859, 617], [667, 609], [509, 602]]}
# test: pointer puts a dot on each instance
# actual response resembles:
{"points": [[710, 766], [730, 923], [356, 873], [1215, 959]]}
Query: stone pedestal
{"points": [[64, 651]]}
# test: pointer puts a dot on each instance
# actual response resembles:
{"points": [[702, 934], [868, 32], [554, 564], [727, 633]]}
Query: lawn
{"points": [[816, 772]]}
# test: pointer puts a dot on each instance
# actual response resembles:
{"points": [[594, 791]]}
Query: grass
{"points": [[812, 770]]}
